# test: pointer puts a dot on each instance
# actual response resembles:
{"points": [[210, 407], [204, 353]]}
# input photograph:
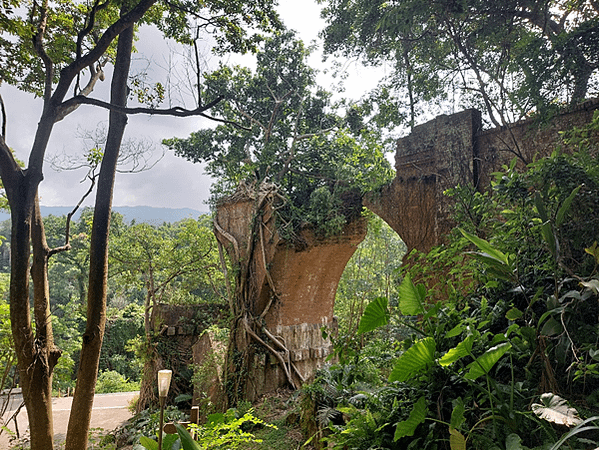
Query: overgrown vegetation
{"points": [[501, 318]]}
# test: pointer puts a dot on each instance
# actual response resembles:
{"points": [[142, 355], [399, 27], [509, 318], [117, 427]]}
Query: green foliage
{"points": [[146, 423], [375, 315], [372, 273], [281, 127], [111, 381], [122, 328], [509, 58], [220, 432], [517, 317]]}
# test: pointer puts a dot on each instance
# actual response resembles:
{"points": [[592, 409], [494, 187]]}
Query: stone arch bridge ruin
{"points": [[295, 297]]}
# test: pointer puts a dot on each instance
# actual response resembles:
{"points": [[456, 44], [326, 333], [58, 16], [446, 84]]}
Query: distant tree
{"points": [[508, 57], [168, 263], [48, 49], [171, 264]]}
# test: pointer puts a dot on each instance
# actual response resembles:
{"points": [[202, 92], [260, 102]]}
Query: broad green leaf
{"points": [[513, 314], [464, 348], [561, 213], [187, 441], [411, 299], [168, 440], [457, 414], [554, 409], [486, 248], [455, 331], [485, 362], [417, 416], [414, 360], [552, 328], [514, 442], [457, 441], [376, 314], [149, 444]]}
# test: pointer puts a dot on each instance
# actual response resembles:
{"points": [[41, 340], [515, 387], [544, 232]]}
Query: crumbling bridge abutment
{"points": [[453, 150]]}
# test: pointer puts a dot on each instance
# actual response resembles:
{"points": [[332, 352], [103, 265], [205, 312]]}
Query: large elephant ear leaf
{"points": [[555, 409], [415, 360], [485, 362], [375, 315], [411, 298], [417, 416]]}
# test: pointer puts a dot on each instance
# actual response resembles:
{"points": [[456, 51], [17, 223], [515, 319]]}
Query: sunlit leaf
{"points": [[486, 248], [484, 363], [457, 441], [554, 409], [464, 348], [411, 298], [591, 284], [414, 360], [376, 314], [417, 416]]}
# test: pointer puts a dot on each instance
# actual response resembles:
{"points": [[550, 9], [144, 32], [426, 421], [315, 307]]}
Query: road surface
{"points": [[109, 411]]}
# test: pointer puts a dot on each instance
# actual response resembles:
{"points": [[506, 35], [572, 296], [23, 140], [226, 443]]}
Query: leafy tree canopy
{"points": [[38, 40], [509, 58], [279, 126]]}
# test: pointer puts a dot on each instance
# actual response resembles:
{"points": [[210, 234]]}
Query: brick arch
{"points": [[440, 154]]}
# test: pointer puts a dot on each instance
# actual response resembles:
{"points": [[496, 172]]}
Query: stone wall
{"points": [[437, 155], [452, 150]]}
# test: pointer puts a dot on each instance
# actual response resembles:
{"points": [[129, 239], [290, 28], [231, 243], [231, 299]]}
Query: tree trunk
{"points": [[79, 419], [36, 353]]}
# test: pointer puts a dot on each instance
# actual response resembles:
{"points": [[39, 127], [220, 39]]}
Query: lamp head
{"points": [[164, 382]]}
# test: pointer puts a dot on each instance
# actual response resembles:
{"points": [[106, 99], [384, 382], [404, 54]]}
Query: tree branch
{"points": [[176, 111], [38, 46], [68, 73], [3, 111]]}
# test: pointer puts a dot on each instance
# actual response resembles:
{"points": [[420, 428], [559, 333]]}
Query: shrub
{"points": [[111, 381]]}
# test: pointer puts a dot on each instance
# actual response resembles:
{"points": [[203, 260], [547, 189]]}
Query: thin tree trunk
{"points": [[79, 419]]}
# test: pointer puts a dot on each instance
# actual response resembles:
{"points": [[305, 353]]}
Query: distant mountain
{"points": [[146, 214]]}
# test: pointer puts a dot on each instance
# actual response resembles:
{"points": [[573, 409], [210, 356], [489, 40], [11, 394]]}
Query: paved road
{"points": [[109, 411]]}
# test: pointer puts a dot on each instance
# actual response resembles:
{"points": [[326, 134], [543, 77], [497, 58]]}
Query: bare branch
{"points": [[176, 111], [94, 55], [95, 76], [88, 29]]}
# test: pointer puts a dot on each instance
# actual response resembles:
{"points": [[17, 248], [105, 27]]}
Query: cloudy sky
{"points": [[172, 182]]}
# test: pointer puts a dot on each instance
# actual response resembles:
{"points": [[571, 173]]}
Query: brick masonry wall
{"points": [[451, 150]]}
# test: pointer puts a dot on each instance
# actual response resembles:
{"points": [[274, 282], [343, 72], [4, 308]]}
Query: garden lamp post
{"points": [[164, 382]]}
